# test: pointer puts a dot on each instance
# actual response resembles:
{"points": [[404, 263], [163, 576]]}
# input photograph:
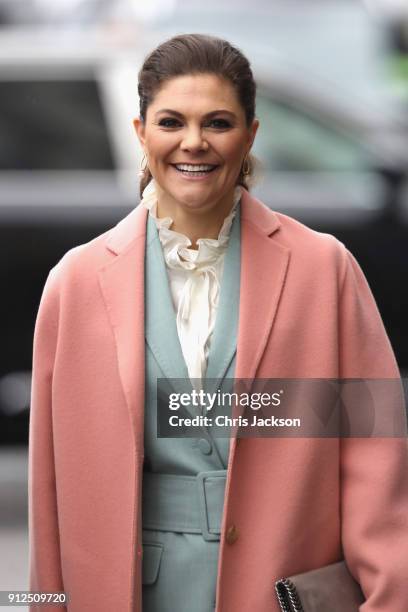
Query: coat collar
{"points": [[264, 263], [127, 231], [133, 226]]}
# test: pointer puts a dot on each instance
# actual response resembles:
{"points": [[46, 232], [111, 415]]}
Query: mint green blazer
{"points": [[180, 568]]}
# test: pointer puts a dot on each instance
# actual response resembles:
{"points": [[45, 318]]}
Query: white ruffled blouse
{"points": [[195, 278]]}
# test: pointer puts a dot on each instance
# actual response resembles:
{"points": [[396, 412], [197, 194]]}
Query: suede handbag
{"points": [[327, 589]]}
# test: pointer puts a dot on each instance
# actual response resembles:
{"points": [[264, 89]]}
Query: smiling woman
{"points": [[200, 286], [195, 150]]}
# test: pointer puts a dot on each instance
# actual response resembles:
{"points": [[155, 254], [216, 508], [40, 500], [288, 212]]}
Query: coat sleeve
{"points": [[373, 471], [45, 573]]}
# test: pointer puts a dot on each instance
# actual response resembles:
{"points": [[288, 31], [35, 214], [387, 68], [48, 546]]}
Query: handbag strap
{"points": [[288, 596]]}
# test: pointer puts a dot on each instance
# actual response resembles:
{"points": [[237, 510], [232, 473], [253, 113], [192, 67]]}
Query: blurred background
{"points": [[333, 149]]}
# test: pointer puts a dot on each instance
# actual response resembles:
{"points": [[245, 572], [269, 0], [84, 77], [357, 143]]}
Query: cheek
{"points": [[159, 149], [233, 161], [232, 151]]}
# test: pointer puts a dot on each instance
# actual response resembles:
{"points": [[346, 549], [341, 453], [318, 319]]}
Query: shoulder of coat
{"points": [[83, 259], [301, 238]]}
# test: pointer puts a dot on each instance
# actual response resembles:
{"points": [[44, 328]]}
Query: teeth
{"points": [[194, 168]]}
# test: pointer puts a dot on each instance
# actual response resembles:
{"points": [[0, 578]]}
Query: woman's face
{"points": [[195, 120]]}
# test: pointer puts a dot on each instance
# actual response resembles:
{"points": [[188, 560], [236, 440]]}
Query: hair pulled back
{"points": [[187, 54]]}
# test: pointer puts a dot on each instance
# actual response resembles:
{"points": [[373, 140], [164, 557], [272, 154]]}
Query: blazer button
{"points": [[232, 534], [205, 446]]}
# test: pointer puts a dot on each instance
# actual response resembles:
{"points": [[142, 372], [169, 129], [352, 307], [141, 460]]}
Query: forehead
{"points": [[203, 91]]}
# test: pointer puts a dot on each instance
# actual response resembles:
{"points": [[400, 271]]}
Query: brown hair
{"points": [[198, 54]]}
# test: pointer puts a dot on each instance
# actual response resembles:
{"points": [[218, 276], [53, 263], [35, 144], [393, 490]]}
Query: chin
{"points": [[192, 200], [195, 204]]}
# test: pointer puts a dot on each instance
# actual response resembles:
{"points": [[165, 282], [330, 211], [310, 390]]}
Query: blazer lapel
{"points": [[224, 342], [161, 328]]}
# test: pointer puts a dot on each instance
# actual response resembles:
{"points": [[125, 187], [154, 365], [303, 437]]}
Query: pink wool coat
{"points": [[305, 311]]}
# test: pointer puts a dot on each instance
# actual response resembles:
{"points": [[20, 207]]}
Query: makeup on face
{"points": [[195, 138]]}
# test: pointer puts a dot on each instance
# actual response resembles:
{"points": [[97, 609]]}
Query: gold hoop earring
{"points": [[143, 164], [246, 168]]}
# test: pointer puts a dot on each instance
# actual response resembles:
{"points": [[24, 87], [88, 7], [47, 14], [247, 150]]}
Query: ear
{"points": [[252, 132], [139, 126]]}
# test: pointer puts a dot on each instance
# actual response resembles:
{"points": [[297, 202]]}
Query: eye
{"points": [[220, 123], [169, 122]]}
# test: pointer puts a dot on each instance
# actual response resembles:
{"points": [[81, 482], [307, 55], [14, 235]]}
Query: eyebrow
{"points": [[208, 115]]}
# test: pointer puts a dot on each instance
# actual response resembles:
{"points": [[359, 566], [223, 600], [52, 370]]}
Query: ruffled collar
{"points": [[176, 245]]}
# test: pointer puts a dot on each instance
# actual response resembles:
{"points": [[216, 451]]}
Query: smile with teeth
{"points": [[195, 169]]}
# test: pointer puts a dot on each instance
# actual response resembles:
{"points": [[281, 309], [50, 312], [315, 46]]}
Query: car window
{"points": [[289, 140], [52, 125]]}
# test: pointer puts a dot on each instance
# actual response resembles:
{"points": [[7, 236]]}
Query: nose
{"points": [[193, 140]]}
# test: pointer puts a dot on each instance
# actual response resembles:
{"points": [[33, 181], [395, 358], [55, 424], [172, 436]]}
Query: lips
{"points": [[195, 171], [185, 167], [193, 164]]}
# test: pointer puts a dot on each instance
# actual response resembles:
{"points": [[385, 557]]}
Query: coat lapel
{"points": [[264, 263], [122, 285]]}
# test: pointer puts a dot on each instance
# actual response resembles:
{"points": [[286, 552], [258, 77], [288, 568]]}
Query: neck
{"points": [[195, 224]]}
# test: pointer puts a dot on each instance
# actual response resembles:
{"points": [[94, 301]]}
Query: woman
{"points": [[202, 281]]}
